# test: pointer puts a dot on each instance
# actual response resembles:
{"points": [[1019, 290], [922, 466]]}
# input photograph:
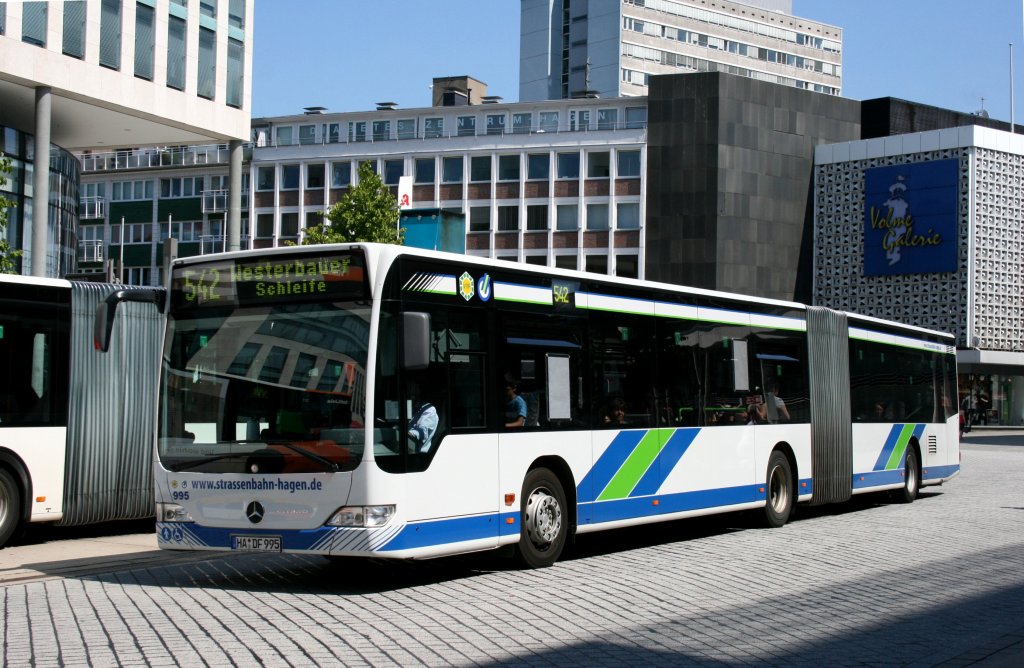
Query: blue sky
{"points": [[347, 55]]}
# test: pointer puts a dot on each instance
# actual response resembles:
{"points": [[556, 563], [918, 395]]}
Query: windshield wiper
{"points": [[192, 463], [323, 461]]}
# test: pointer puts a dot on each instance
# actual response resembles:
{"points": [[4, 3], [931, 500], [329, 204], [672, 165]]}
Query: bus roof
{"points": [[389, 252]]}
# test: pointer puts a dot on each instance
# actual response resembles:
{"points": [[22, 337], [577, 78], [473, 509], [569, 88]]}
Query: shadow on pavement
{"points": [[359, 576]]}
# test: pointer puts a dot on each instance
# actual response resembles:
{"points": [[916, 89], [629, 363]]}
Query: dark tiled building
{"points": [[729, 193]]}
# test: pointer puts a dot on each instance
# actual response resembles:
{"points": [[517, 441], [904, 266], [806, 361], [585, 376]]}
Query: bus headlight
{"points": [[362, 516], [172, 512]]}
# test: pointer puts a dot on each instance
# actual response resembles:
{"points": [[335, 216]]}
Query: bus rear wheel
{"points": [[911, 478], [778, 491], [10, 506], [545, 522]]}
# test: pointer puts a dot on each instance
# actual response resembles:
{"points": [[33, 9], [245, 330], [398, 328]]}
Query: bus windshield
{"points": [[262, 385]]}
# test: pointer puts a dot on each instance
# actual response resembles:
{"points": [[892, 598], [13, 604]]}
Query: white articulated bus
{"points": [[69, 451], [390, 402]]}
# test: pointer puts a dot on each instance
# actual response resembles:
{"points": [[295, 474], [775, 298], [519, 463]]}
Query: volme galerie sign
{"points": [[910, 218]]}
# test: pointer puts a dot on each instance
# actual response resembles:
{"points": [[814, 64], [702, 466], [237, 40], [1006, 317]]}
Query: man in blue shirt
{"points": [[515, 407]]}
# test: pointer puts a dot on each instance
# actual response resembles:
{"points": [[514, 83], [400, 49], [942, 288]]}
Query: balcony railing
{"points": [[177, 156], [215, 201], [265, 141], [90, 251], [92, 207], [217, 243]]}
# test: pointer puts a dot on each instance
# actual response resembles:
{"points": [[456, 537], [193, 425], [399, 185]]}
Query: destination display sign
{"points": [[274, 279]]}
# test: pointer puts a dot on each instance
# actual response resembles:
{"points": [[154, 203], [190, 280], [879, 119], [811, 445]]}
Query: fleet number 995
{"points": [[179, 496]]}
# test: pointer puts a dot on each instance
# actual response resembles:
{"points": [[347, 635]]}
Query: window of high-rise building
{"points": [[538, 167], [480, 168], [451, 169], [536, 217], [236, 14], [207, 77], [110, 34], [315, 175], [236, 73], [598, 165], [145, 39], [424, 170], [508, 167], [467, 126], [629, 164], [406, 128], [208, 8], [597, 216], [393, 171], [289, 177], [548, 121], [479, 218], [567, 218], [433, 127], [607, 119], [74, 28], [33, 23], [508, 218], [568, 165], [341, 174], [522, 123], [627, 215], [176, 52]]}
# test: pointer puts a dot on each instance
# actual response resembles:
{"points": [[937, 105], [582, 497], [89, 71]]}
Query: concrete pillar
{"points": [[234, 221], [41, 183]]}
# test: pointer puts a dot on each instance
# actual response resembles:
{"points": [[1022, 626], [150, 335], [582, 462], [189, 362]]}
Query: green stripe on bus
{"points": [[901, 446], [636, 465]]}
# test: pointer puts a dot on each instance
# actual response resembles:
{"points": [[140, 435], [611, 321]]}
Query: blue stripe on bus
{"points": [[877, 478], [608, 464], [890, 445], [440, 532], [626, 509], [663, 464], [937, 472]]}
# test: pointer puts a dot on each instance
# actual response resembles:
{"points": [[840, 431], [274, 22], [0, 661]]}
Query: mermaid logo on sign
{"points": [[910, 218], [483, 287]]}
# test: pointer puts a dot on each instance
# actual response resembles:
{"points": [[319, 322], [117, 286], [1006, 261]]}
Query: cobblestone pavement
{"points": [[936, 583]]}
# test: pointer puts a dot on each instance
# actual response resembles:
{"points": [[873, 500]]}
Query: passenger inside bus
{"points": [[615, 416], [515, 406]]}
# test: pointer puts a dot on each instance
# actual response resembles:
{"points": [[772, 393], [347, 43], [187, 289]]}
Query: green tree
{"points": [[367, 212], [7, 254]]}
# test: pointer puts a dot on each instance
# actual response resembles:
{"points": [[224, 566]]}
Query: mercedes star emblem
{"points": [[254, 511]]}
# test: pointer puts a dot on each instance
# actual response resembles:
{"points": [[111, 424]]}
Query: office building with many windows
{"points": [[88, 75], [554, 183], [608, 48]]}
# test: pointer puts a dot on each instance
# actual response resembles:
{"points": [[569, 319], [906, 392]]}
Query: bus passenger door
{"points": [[541, 359]]}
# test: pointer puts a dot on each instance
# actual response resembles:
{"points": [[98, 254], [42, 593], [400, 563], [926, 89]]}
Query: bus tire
{"points": [[911, 478], [779, 495], [10, 506], [544, 518]]}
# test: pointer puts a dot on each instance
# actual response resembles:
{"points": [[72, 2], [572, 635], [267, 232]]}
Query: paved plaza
{"points": [[936, 583]]}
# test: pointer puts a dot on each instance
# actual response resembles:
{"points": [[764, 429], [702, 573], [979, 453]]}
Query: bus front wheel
{"points": [[545, 521], [778, 490], [10, 506], [911, 478]]}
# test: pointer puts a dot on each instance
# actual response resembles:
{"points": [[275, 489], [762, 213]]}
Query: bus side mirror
{"points": [[415, 340], [103, 324]]}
